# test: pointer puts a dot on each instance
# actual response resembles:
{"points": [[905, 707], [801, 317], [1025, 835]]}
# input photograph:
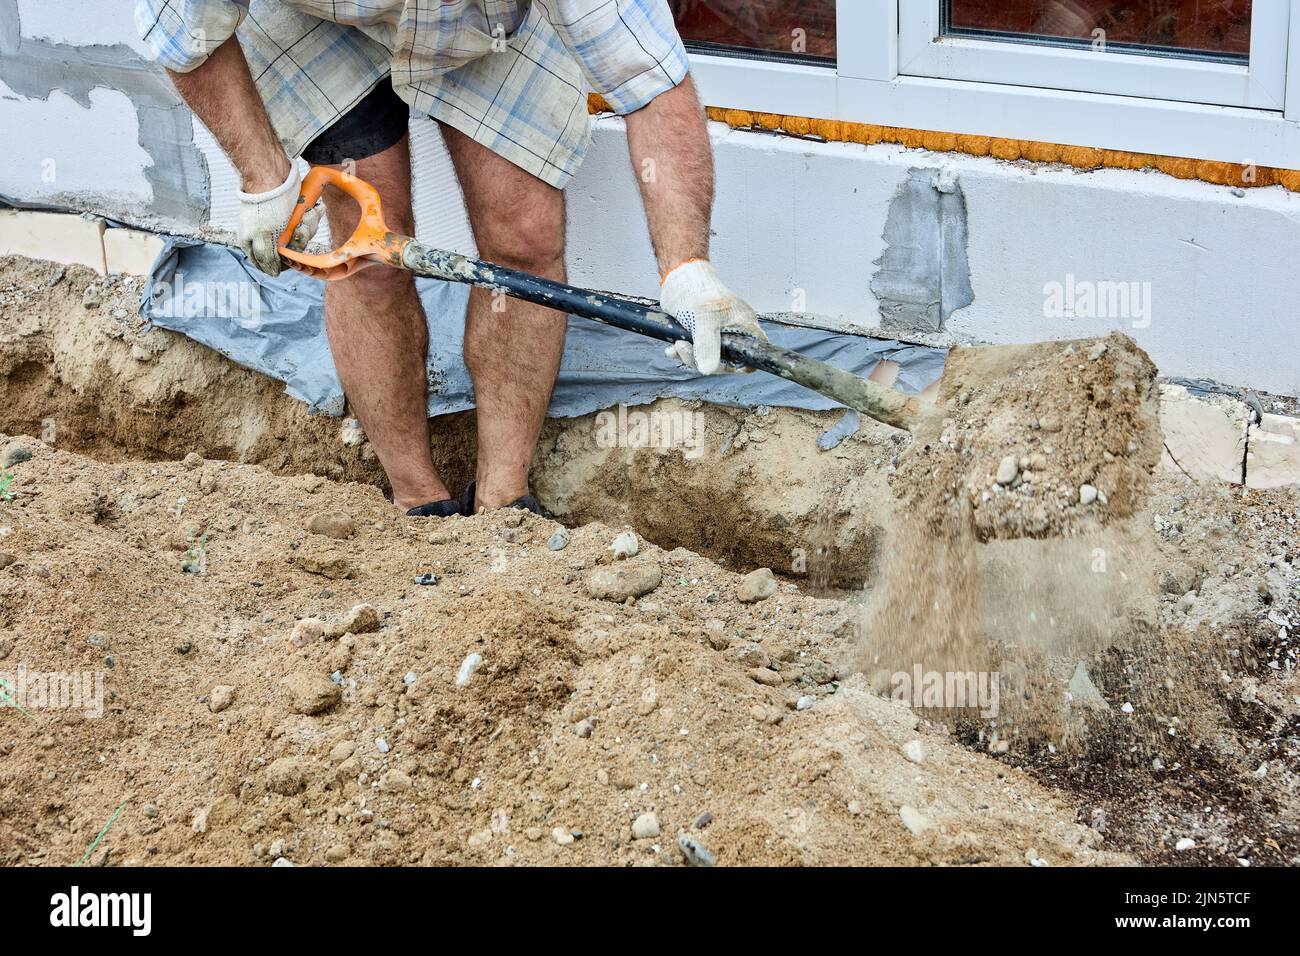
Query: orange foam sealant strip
{"points": [[1080, 157]]}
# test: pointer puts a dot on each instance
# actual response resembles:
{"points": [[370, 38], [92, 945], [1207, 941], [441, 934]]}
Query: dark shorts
{"points": [[370, 127]]}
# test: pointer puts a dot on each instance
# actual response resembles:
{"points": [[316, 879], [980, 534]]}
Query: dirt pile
{"points": [[278, 686], [500, 714]]}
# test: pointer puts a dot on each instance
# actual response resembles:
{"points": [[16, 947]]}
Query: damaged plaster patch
{"points": [[177, 173], [924, 274]]}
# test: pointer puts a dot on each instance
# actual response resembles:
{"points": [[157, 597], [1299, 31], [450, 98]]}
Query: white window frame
{"points": [[925, 51], [870, 84]]}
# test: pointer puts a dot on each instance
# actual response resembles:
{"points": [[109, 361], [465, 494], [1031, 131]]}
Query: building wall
{"points": [[934, 246]]}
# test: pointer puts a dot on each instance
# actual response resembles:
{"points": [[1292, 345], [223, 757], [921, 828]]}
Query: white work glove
{"points": [[695, 296], [263, 216]]}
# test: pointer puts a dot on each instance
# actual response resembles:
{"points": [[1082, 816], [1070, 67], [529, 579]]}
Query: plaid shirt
{"points": [[314, 59]]}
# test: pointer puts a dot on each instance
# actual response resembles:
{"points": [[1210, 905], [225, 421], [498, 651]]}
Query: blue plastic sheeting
{"points": [[275, 326]]}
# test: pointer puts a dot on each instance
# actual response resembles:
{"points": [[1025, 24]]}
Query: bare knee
{"points": [[378, 287], [531, 240]]}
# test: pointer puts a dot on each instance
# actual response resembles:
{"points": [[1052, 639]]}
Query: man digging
{"points": [[333, 81]]}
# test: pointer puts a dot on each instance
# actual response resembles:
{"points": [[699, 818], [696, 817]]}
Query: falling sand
{"points": [[1010, 552]]}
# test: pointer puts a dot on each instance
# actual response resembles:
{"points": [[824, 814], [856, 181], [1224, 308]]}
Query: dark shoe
{"points": [[436, 509], [526, 503]]}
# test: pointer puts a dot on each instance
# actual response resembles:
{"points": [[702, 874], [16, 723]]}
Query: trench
{"points": [[757, 493]]}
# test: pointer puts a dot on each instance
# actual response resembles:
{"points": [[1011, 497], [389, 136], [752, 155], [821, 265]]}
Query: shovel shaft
{"points": [[373, 243], [870, 398]]}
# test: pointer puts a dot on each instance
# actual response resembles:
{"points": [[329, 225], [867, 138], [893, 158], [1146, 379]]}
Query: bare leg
{"points": [[379, 339], [512, 348]]}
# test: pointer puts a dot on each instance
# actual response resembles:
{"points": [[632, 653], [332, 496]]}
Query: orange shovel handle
{"points": [[369, 243]]}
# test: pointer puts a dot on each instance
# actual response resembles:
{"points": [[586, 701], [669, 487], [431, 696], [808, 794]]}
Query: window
{"points": [[1179, 27], [1224, 52], [796, 30], [1203, 79]]}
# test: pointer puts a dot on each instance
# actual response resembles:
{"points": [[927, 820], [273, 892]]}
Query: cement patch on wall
{"points": [[924, 275], [37, 69]]}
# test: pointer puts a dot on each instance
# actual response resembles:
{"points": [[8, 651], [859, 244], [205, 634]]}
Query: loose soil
{"points": [[159, 535]]}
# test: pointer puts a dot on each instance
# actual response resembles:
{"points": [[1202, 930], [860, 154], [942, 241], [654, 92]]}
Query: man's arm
{"points": [[222, 94], [668, 141]]}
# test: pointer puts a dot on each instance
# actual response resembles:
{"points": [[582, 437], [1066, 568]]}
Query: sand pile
{"points": [[502, 714], [183, 581]]}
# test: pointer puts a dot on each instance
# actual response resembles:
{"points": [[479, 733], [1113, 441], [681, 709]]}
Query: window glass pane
{"points": [[797, 29], [1204, 28]]}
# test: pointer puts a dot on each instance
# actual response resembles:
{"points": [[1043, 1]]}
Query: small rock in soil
{"points": [[467, 668], [634, 581], [646, 826], [559, 540], [625, 546], [220, 697], [312, 693], [915, 821], [757, 586], [361, 619], [1008, 470], [332, 524], [694, 852], [286, 776], [307, 631]]}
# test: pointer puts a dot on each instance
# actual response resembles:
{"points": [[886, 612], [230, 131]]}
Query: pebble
{"points": [[1087, 494], [409, 678], [646, 826], [914, 750], [749, 655], [394, 781], [7, 558], [694, 852], [1097, 351], [757, 586], [559, 540], [337, 853], [915, 821], [424, 580], [307, 631], [1008, 470], [286, 776], [332, 524], [342, 750], [312, 693], [705, 819], [220, 697], [283, 861], [382, 745], [805, 702], [633, 581], [819, 672], [625, 546], [562, 836], [15, 455], [184, 647], [1186, 843], [360, 619], [584, 728], [467, 668], [351, 434]]}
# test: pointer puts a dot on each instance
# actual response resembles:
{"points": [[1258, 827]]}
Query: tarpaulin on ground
{"points": [[275, 326]]}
